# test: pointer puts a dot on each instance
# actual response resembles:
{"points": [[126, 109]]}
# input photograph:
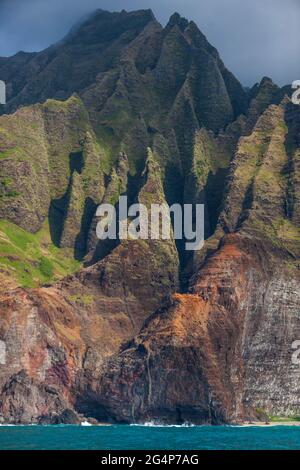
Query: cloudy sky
{"points": [[254, 37]]}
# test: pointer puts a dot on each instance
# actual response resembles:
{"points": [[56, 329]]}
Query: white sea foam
{"points": [[154, 424], [18, 425]]}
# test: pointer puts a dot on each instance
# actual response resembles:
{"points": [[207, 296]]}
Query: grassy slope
{"points": [[33, 259]]}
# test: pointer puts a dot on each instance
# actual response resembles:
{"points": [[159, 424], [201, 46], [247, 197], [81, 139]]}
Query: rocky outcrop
{"points": [[116, 187]]}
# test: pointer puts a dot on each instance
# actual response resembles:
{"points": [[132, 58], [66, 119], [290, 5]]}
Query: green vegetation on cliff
{"points": [[32, 259]]}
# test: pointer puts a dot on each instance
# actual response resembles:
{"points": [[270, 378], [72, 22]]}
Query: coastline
{"points": [[94, 423], [269, 424]]}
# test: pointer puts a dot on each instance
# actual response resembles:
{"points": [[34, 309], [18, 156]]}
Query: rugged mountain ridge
{"points": [[142, 330]]}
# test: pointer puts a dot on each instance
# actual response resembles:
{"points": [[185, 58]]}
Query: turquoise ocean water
{"points": [[148, 437]]}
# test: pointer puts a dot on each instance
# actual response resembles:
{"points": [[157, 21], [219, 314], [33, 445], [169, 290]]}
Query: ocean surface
{"points": [[148, 437]]}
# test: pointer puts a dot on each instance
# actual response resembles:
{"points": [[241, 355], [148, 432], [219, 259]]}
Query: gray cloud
{"points": [[254, 37]]}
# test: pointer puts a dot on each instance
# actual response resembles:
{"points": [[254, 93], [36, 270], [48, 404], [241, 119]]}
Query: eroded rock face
{"points": [[212, 356], [142, 330], [216, 354], [57, 339], [50, 165], [223, 352]]}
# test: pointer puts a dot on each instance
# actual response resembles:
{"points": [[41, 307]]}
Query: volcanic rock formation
{"points": [[135, 330]]}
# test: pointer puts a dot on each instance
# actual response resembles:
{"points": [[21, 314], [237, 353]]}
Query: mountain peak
{"points": [[177, 20], [266, 81], [147, 14], [104, 25]]}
